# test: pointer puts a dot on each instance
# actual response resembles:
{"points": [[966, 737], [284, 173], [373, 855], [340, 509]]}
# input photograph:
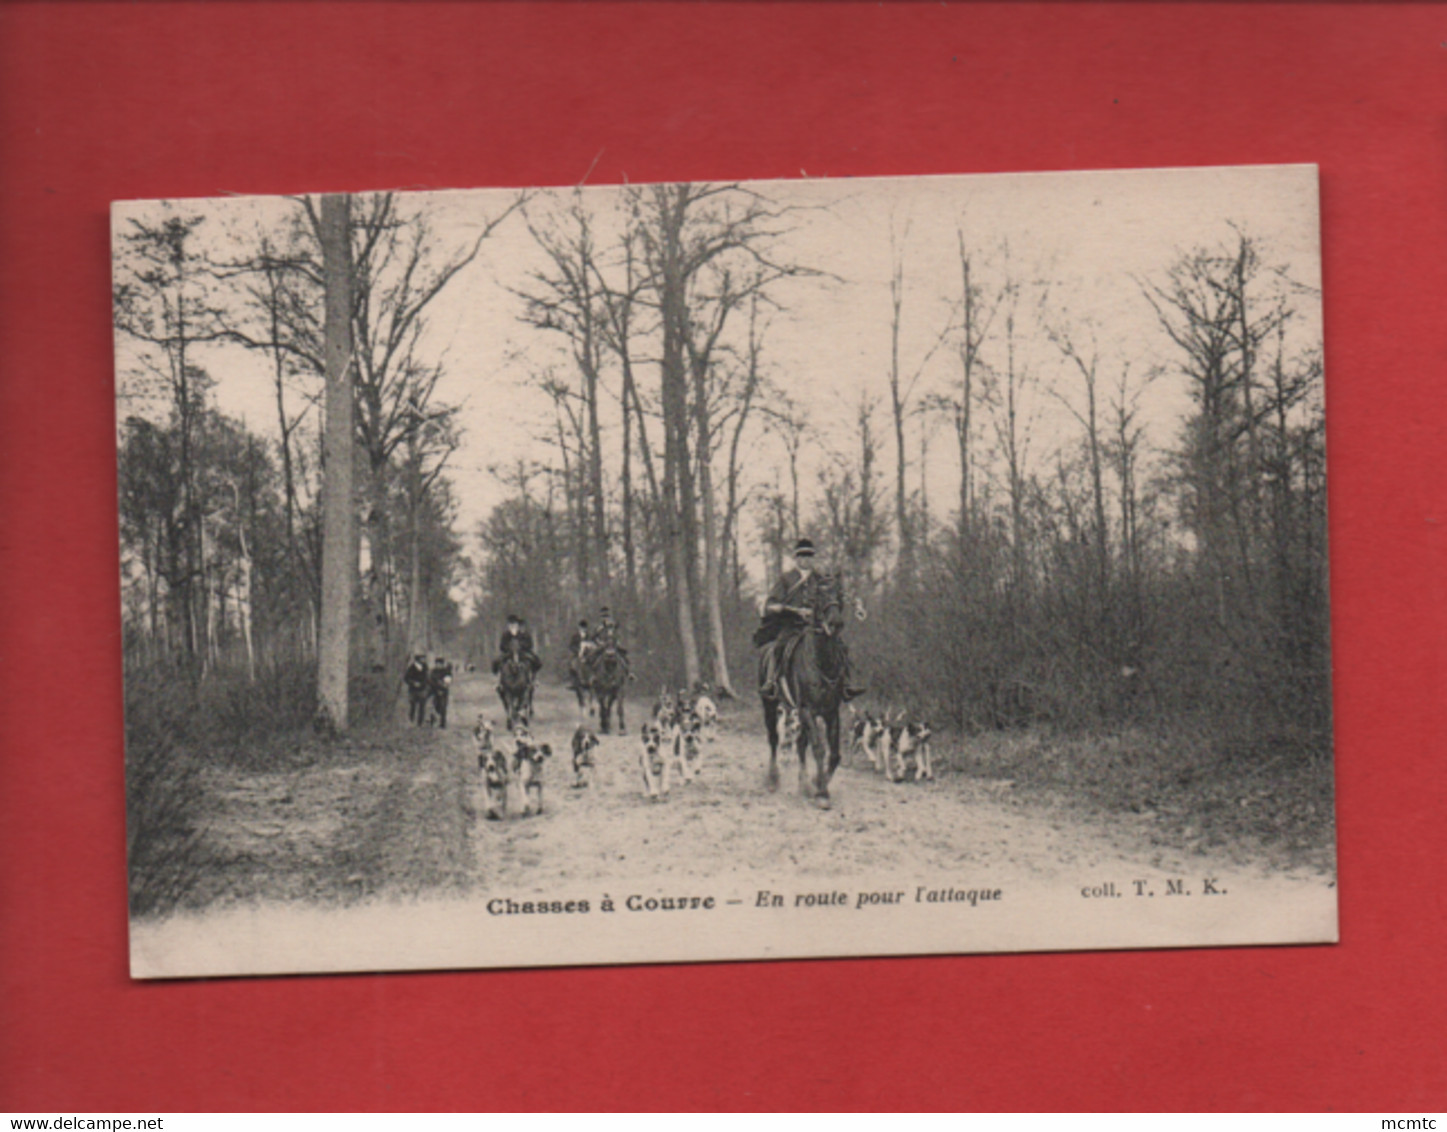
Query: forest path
{"points": [[397, 812], [726, 820], [374, 852]]}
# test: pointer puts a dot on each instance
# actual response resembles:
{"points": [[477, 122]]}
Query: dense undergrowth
{"points": [[179, 724], [1268, 796]]}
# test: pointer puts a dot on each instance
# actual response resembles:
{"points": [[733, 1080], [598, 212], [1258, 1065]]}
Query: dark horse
{"points": [[607, 675], [579, 682], [515, 689], [811, 681]]}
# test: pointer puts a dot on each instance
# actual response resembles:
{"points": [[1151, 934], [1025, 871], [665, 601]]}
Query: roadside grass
{"points": [[1264, 798], [1193, 786], [181, 732]]}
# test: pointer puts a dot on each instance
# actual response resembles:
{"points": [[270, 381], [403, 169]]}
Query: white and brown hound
{"points": [[585, 742], [527, 769], [492, 761]]}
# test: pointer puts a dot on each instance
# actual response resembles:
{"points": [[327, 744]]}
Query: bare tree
{"points": [[1086, 361], [752, 377], [1014, 416], [705, 248], [398, 270], [163, 302], [432, 438], [1204, 306], [339, 559], [620, 301], [789, 421], [977, 312], [901, 392], [567, 298]]}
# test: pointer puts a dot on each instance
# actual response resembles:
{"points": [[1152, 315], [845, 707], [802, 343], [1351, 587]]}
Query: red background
{"points": [[99, 102]]}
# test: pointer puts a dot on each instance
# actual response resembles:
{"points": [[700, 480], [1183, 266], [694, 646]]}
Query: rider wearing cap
{"points": [[792, 604], [516, 641], [607, 632]]}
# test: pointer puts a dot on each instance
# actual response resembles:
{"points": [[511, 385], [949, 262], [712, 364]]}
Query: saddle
{"points": [[787, 642]]}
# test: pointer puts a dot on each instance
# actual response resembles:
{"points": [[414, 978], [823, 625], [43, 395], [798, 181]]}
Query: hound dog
{"points": [[665, 718], [492, 761], [653, 760], [873, 740], [665, 711], [909, 743], [915, 745], [857, 722], [864, 737], [707, 712], [789, 730], [585, 742], [527, 765], [688, 745]]}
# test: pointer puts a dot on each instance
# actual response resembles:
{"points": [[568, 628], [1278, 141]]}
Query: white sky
{"points": [[1088, 236]]}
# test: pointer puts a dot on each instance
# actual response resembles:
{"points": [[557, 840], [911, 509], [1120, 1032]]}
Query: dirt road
{"points": [[373, 853], [399, 814]]}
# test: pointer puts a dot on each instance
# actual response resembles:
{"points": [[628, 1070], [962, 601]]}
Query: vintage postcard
{"points": [[685, 572]]}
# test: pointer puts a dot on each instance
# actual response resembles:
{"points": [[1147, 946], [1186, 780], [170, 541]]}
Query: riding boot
{"points": [[770, 687]]}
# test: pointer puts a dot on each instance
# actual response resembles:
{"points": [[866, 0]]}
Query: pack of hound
{"points": [[897, 747], [672, 741], [672, 744], [512, 767]]}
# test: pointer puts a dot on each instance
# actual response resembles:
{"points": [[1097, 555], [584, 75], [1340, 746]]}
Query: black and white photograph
{"points": [[733, 570]]}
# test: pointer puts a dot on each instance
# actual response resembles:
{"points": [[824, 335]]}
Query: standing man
{"points": [[792, 605], [417, 681], [440, 682]]}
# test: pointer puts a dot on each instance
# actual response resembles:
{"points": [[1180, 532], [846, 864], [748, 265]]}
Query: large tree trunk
{"points": [[969, 351], [677, 465], [630, 562], [338, 546], [896, 401], [419, 636], [1097, 485], [597, 517], [713, 603]]}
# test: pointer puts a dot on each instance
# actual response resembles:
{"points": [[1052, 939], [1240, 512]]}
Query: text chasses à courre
{"points": [[505, 906]]}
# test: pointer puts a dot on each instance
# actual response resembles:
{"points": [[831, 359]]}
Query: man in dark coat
{"points": [[516, 641], [440, 683], [792, 604], [607, 632], [417, 682]]}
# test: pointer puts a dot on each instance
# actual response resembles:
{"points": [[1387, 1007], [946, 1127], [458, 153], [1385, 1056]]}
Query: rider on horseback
{"points": [[516, 641], [607, 632], [793, 602], [579, 642], [604, 639]]}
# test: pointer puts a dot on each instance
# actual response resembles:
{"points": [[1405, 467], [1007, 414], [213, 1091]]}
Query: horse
{"points": [[607, 673], [811, 679], [581, 685], [515, 689]]}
